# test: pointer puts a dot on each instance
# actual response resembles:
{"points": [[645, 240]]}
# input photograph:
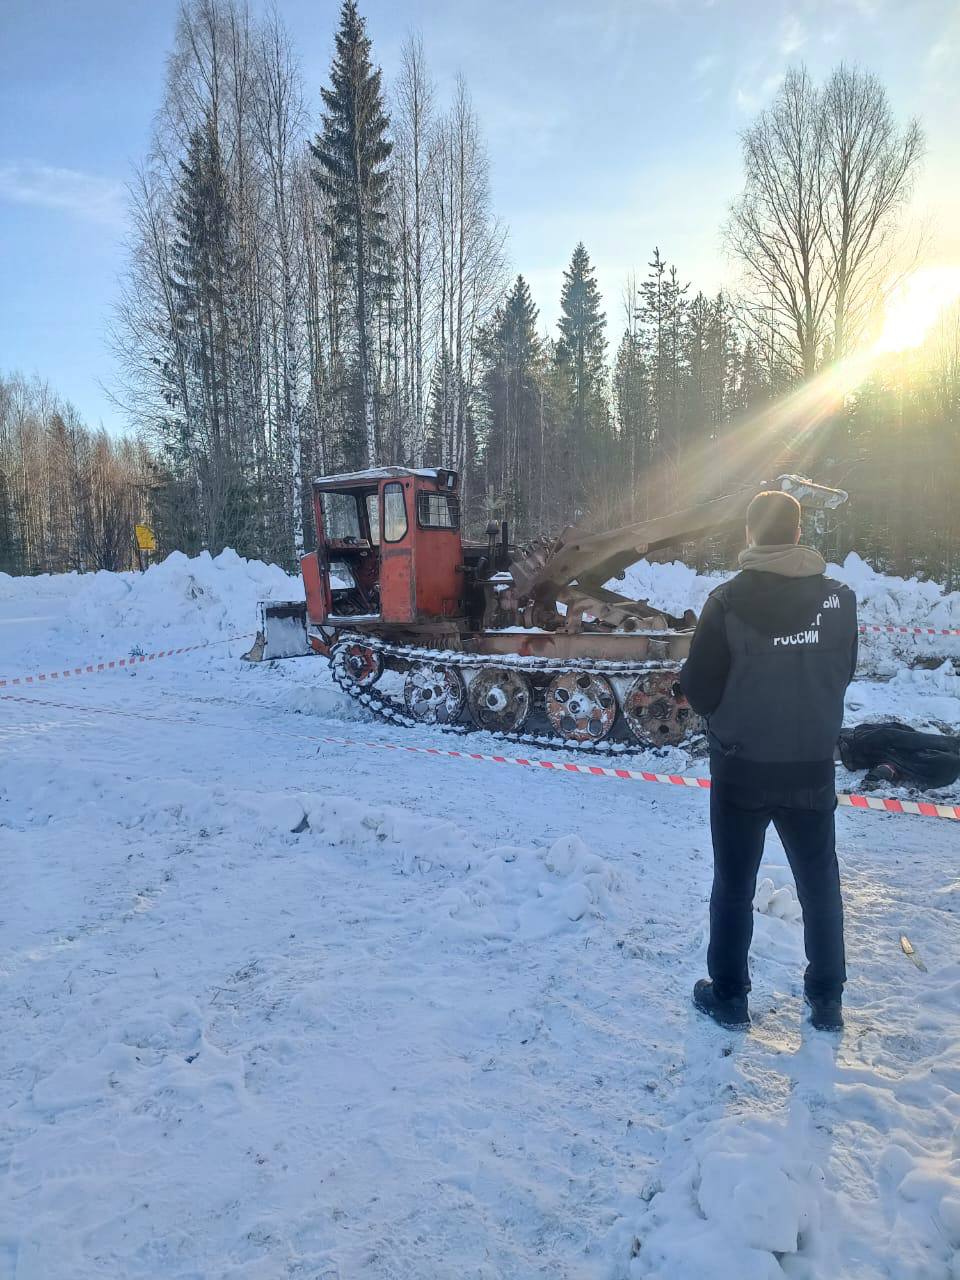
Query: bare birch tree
{"points": [[776, 228], [414, 157], [470, 272], [868, 167], [827, 176]]}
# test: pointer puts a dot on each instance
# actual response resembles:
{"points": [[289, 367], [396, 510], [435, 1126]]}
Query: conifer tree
{"points": [[582, 326], [209, 439], [579, 355], [631, 396], [201, 266], [514, 450], [352, 154], [660, 316]]}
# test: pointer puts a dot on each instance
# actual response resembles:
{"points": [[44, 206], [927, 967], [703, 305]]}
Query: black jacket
{"points": [[769, 664]]}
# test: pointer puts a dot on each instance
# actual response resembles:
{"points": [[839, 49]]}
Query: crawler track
{"points": [[362, 676]]}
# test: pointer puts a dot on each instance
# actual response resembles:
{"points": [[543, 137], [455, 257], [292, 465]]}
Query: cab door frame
{"points": [[398, 594]]}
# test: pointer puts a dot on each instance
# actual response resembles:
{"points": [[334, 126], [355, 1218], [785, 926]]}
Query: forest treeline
{"points": [[318, 281], [69, 496]]}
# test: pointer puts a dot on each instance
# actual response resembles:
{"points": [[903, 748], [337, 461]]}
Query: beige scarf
{"points": [[786, 559]]}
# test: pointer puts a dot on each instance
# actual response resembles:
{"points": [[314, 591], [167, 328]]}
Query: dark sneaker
{"points": [[732, 1012], [825, 1015]]}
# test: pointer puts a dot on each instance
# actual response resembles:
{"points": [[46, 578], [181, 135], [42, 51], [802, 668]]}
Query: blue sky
{"points": [[610, 121]]}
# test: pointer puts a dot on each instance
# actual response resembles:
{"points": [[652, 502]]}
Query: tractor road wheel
{"points": [[581, 707], [434, 694], [500, 699], [657, 716]]}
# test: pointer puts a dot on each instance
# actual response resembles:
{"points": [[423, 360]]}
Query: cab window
{"points": [[341, 518], [373, 517], [394, 513], [438, 510]]}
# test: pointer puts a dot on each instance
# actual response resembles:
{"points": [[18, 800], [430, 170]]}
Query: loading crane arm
{"points": [[571, 570]]}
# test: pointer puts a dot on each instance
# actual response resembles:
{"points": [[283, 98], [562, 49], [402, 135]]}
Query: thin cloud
{"points": [[942, 56], [84, 195], [866, 8], [703, 66], [942, 60], [792, 35], [752, 98]]}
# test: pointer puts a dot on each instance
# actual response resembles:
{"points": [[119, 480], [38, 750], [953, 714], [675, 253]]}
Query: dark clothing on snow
{"points": [[768, 667], [773, 653], [738, 821]]}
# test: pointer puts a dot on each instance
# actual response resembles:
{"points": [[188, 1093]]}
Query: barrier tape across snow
{"points": [[882, 804], [94, 668], [909, 631]]}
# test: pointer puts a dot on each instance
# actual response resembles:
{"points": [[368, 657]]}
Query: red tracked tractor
{"points": [[426, 628]]}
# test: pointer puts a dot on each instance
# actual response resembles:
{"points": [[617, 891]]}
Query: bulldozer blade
{"points": [[282, 632]]}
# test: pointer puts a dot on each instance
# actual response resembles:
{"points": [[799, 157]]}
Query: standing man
{"points": [[771, 659]]}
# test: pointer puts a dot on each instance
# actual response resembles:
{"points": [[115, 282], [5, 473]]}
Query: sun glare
{"points": [[912, 309]]}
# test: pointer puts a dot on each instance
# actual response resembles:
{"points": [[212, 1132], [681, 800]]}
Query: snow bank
{"points": [[882, 599], [72, 617], [897, 601], [674, 586], [69, 618]]}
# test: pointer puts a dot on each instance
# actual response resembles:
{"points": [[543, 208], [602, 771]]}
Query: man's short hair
{"points": [[773, 518]]}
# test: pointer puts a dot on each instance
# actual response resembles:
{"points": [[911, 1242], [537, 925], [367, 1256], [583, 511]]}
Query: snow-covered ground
{"points": [[275, 1007]]}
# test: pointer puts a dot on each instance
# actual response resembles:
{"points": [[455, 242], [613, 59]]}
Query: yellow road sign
{"points": [[145, 539]]}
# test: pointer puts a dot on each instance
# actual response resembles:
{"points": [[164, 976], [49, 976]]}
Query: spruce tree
{"points": [[201, 266], [582, 345], [580, 354], [352, 152], [514, 452], [631, 394], [660, 317], [207, 437]]}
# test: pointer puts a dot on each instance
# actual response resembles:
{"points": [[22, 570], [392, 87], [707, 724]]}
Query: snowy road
{"points": [[286, 1009], [278, 1008]]}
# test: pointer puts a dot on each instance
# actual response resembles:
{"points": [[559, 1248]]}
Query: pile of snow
{"points": [[673, 587], [73, 617], [882, 599], [530, 894], [929, 700], [780, 902], [901, 602], [749, 1194]]}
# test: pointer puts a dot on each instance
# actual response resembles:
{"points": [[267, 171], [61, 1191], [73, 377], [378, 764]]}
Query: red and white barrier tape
{"points": [[882, 804], [909, 631], [94, 668]]}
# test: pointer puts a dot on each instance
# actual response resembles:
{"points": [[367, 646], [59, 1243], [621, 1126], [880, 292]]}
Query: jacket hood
{"points": [[787, 559], [774, 604]]}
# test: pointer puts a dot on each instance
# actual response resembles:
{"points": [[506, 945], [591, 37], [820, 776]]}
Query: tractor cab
{"points": [[388, 549]]}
